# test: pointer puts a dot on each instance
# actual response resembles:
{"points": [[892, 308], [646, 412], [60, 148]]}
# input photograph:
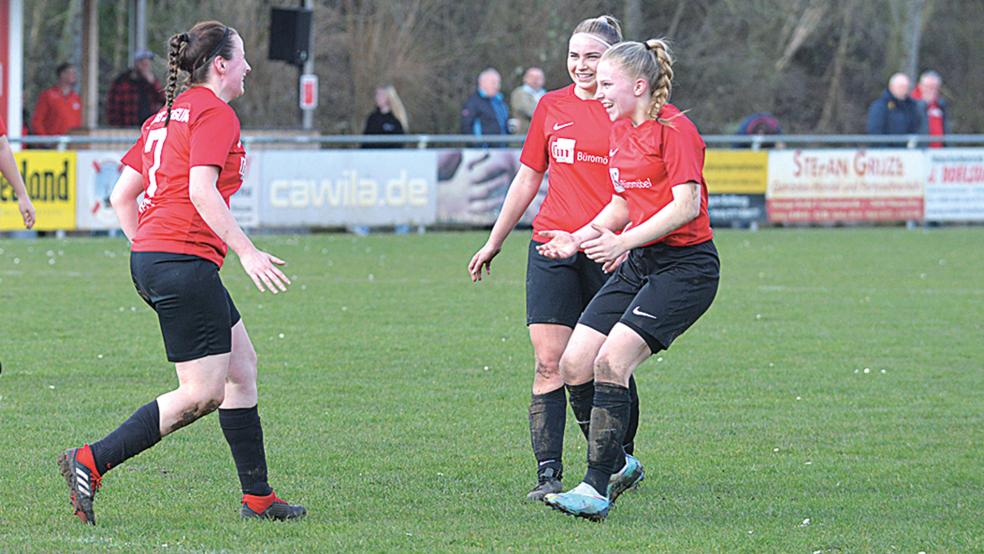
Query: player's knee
{"points": [[204, 400], [573, 369], [607, 370], [242, 371], [548, 367]]}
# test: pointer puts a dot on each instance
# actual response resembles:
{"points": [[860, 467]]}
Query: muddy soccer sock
{"points": [[582, 398], [138, 433], [628, 443], [609, 419], [243, 432], [548, 416]]}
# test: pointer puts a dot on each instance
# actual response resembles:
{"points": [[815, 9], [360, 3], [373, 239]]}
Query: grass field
{"points": [[830, 400]]}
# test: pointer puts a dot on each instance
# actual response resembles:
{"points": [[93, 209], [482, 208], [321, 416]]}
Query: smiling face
{"points": [[619, 93], [233, 72], [583, 53]]}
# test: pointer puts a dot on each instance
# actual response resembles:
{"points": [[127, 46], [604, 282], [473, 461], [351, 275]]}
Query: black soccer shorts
{"points": [[659, 291], [195, 310], [557, 291]]}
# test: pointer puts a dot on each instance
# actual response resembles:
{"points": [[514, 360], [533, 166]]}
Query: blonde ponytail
{"points": [[663, 85]]}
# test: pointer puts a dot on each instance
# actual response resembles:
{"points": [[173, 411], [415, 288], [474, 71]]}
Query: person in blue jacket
{"points": [[485, 112], [895, 112]]}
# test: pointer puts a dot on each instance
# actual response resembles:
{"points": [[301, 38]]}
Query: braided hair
{"points": [[650, 60], [663, 85], [192, 52]]}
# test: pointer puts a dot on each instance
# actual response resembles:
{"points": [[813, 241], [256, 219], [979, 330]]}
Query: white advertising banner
{"points": [[818, 186], [324, 188], [955, 185]]}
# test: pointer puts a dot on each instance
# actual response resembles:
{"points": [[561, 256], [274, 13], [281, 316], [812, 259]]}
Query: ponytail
{"points": [[663, 85], [176, 47]]}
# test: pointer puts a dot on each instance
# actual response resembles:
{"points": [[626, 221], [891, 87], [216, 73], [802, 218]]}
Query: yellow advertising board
{"points": [[50, 179], [736, 171]]}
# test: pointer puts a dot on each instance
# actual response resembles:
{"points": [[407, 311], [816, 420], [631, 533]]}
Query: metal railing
{"points": [[423, 141]]}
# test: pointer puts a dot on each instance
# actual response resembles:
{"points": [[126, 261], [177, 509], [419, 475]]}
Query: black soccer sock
{"points": [[242, 430], [548, 416], [609, 418], [628, 443], [582, 398], [138, 433]]}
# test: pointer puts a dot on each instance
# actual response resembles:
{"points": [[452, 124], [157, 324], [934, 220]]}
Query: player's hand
{"points": [[606, 248], [613, 265], [562, 245], [482, 258], [27, 211], [260, 267]]}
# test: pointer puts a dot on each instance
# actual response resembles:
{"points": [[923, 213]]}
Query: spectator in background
{"points": [[932, 104], [135, 94], [59, 108], [895, 113], [524, 98], [485, 112], [389, 117], [760, 123], [8, 168]]}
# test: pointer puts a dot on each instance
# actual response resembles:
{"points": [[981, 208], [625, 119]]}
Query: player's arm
{"points": [[8, 167], [208, 202], [124, 200], [521, 193], [684, 208], [615, 215]]}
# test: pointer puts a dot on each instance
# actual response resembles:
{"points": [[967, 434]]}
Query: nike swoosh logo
{"points": [[612, 152], [641, 313], [559, 126]]}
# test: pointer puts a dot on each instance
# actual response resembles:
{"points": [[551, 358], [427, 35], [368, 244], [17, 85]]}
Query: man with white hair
{"points": [[894, 112], [485, 112], [931, 102]]}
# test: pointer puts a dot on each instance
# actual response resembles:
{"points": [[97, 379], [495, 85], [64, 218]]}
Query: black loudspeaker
{"points": [[290, 34]]}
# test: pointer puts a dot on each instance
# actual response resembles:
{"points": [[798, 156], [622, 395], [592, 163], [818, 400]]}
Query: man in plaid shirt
{"points": [[135, 95]]}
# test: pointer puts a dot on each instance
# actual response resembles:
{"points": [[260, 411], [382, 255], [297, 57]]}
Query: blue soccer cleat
{"points": [[581, 501], [627, 478]]}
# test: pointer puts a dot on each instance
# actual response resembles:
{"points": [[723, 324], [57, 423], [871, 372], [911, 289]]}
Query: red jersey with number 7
{"points": [[203, 130]]}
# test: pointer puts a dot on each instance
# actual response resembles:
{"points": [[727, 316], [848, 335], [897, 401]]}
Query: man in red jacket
{"points": [[928, 94], [59, 108]]}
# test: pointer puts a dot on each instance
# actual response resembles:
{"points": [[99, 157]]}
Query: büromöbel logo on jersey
{"points": [[562, 150]]}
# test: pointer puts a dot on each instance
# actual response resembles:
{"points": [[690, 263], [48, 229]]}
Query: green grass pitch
{"points": [[830, 401]]}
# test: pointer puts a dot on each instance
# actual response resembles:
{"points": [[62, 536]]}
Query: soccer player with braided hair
{"points": [[569, 135], [187, 163], [671, 275]]}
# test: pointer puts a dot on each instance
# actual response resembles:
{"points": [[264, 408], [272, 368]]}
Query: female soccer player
{"points": [[671, 275], [187, 162], [569, 135], [8, 168]]}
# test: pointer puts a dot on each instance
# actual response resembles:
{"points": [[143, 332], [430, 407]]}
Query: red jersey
{"points": [[56, 113], [3, 128], [649, 160], [570, 135], [203, 130]]}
